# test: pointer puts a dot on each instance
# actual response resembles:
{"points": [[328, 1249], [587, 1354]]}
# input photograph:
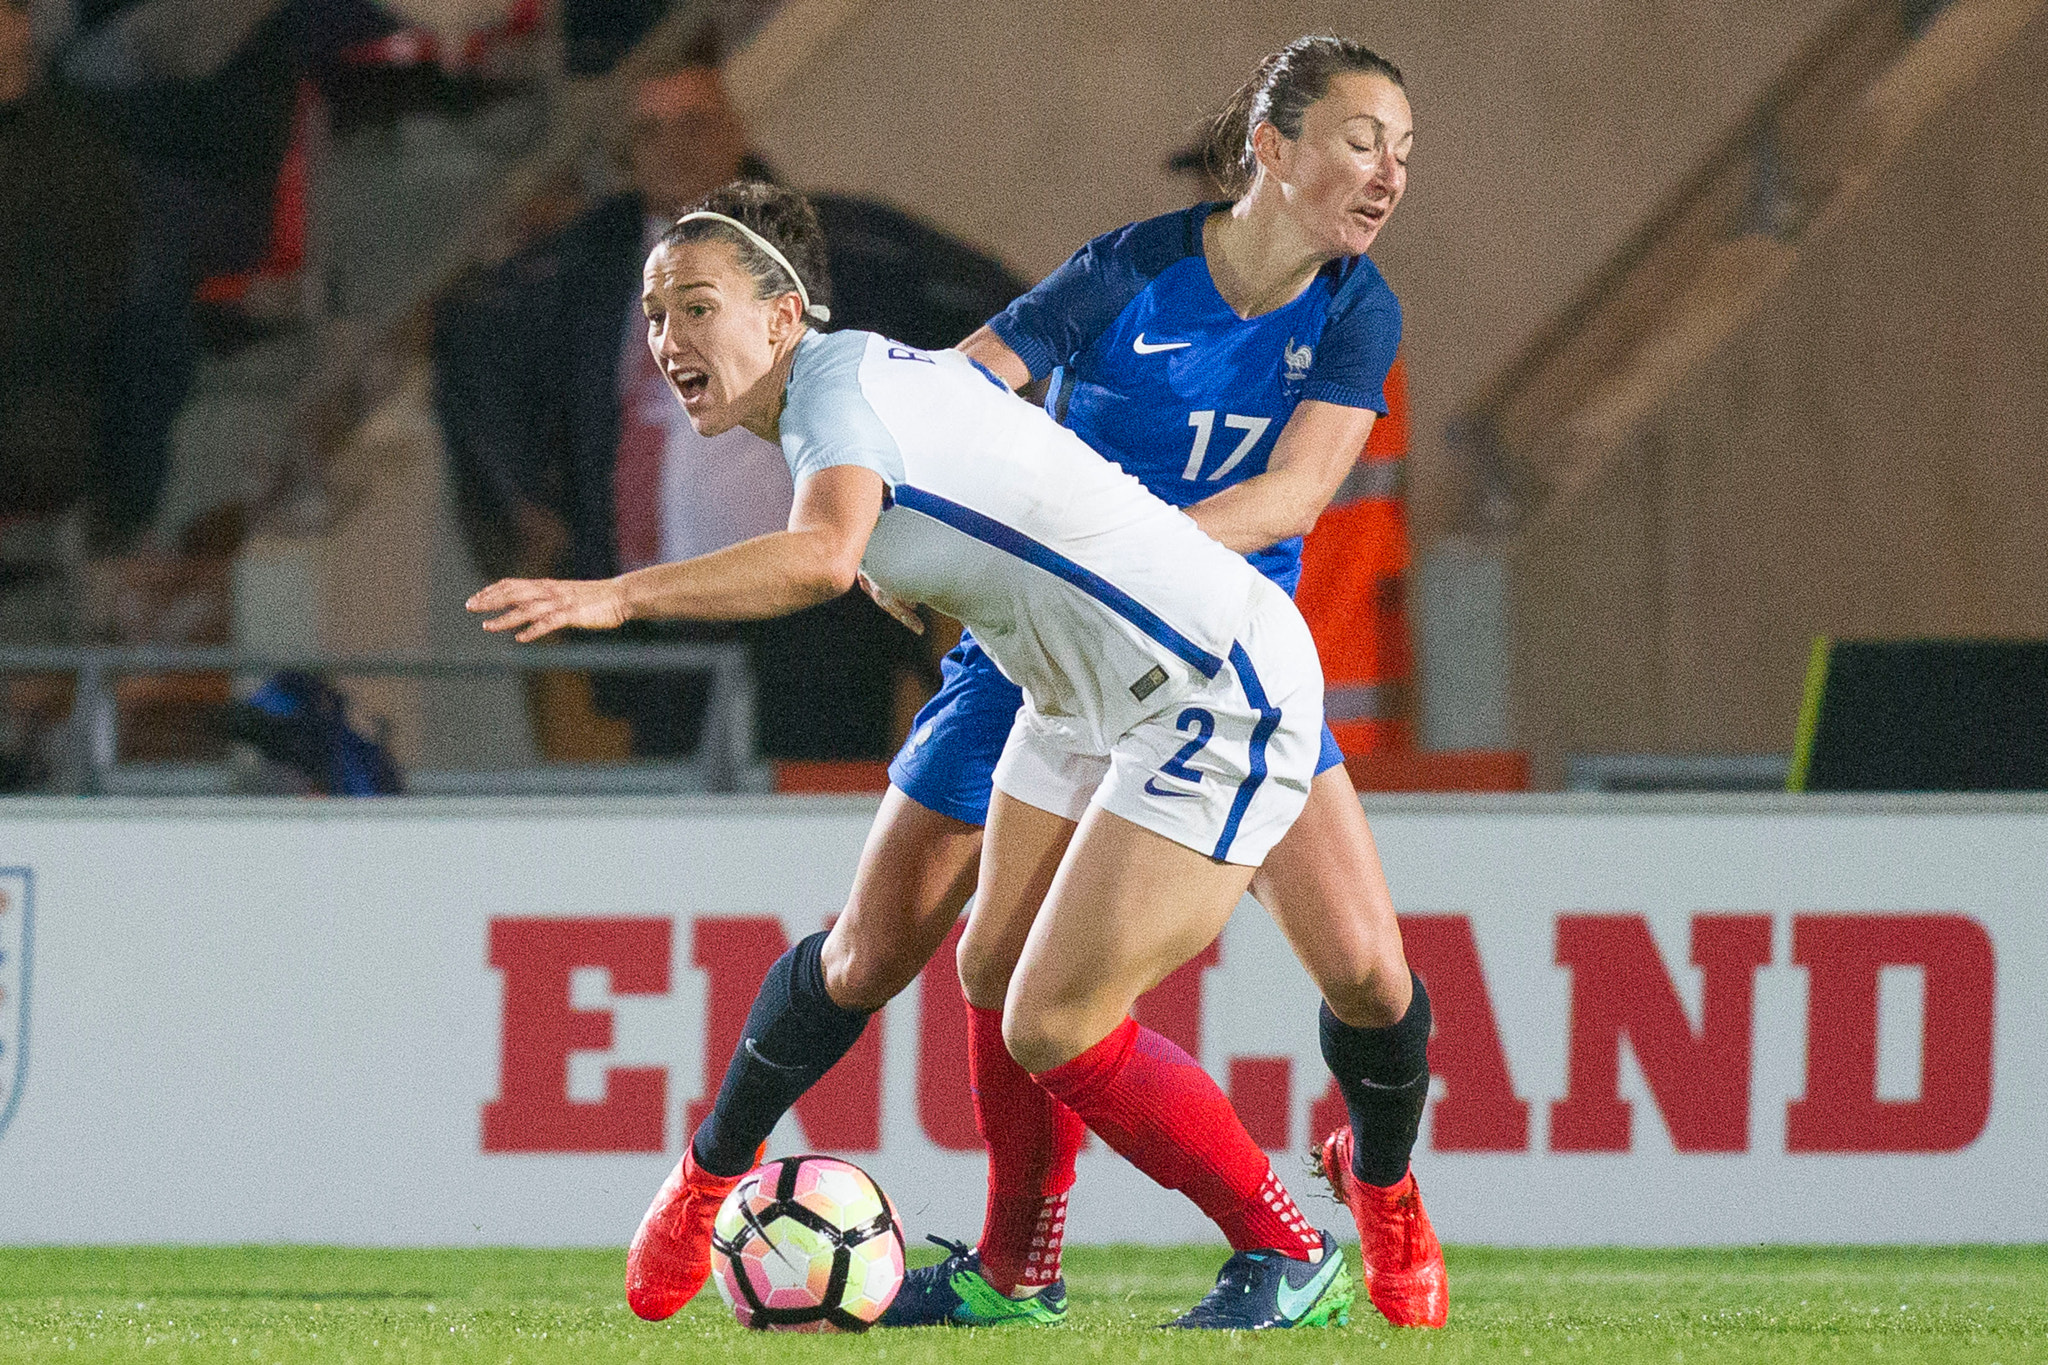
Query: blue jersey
{"points": [[1154, 370]]}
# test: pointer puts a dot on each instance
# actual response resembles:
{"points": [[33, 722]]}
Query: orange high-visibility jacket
{"points": [[1354, 590]]}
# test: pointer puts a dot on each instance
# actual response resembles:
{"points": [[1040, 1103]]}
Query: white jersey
{"points": [[1100, 600]]}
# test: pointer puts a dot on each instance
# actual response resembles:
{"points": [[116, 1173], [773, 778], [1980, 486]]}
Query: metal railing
{"points": [[1676, 772], [726, 757]]}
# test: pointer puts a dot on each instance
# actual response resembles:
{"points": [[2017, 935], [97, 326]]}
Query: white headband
{"points": [[817, 311]]}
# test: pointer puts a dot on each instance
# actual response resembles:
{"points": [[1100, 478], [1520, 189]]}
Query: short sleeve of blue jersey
{"points": [[1358, 342], [826, 418], [1056, 321]]}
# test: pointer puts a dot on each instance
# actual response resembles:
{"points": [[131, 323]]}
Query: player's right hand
{"points": [[895, 606], [540, 606]]}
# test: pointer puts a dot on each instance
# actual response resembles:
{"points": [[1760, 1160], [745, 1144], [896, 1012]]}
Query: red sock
{"points": [[1032, 1140], [1156, 1106]]}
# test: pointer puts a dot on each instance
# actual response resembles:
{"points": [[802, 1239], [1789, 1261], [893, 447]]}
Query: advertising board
{"points": [[494, 1023]]}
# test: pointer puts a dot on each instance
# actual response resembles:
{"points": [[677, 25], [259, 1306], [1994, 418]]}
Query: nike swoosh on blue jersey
{"points": [[1156, 347], [1294, 1302], [1152, 786]]}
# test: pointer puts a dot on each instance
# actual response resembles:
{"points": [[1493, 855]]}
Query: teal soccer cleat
{"points": [[954, 1294], [1261, 1289]]}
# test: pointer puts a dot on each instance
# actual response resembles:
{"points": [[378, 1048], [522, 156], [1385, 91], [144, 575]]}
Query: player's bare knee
{"points": [[984, 975], [1039, 1040], [1374, 998], [867, 972]]}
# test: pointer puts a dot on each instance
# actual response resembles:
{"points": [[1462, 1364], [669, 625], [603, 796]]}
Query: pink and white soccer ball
{"points": [[807, 1244]]}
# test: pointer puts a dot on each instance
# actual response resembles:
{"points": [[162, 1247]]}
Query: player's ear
{"points": [[785, 315], [1270, 146]]}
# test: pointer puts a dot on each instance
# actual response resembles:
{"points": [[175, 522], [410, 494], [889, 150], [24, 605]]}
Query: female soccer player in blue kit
{"points": [[1126, 627], [1232, 358]]}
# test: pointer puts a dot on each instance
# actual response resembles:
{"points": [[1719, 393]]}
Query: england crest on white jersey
{"points": [[16, 922]]}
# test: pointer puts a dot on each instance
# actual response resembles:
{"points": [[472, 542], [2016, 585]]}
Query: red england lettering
{"points": [[533, 1111], [1261, 1089], [1173, 1008], [1842, 955], [1699, 1078], [1262, 1092], [1479, 1111], [843, 1111], [945, 1104]]}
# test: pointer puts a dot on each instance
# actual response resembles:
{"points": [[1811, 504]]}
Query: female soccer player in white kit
{"points": [[1247, 402], [1173, 703]]}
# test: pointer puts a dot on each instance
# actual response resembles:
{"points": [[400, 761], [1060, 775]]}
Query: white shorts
{"points": [[1224, 769]]}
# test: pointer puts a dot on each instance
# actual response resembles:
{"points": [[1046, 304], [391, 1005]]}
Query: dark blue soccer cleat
{"points": [[1261, 1289], [954, 1294]]}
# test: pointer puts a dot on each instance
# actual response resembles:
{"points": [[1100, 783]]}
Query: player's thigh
{"points": [[915, 874], [1021, 851], [1324, 885], [1125, 908]]}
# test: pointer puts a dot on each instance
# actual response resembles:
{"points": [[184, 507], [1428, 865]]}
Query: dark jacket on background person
{"points": [[203, 143], [66, 218], [526, 362]]}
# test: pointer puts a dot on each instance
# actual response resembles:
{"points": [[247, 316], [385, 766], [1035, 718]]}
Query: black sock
{"points": [[1383, 1074], [794, 1034]]}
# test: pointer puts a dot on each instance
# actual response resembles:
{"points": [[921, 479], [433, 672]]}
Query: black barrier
{"points": [[1924, 715]]}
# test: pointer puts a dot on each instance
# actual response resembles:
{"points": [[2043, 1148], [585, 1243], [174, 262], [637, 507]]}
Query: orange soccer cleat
{"points": [[1403, 1261], [671, 1254]]}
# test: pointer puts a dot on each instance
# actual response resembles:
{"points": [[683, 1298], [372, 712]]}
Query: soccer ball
{"points": [[807, 1244]]}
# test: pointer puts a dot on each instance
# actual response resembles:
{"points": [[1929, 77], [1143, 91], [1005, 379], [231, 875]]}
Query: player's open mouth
{"points": [[689, 383], [1374, 214]]}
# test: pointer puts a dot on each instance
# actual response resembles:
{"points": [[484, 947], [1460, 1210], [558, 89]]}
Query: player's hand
{"points": [[895, 606], [540, 606]]}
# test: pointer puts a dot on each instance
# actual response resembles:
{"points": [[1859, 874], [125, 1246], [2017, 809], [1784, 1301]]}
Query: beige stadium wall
{"points": [[1866, 456], [1545, 133]]}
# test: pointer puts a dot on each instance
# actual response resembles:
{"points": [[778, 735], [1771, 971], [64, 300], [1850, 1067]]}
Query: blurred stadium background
{"points": [[1690, 621]]}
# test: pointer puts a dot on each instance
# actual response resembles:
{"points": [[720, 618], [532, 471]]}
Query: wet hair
{"points": [[1279, 92], [783, 217]]}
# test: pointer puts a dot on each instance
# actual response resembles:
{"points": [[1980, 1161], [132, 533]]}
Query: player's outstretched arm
{"points": [[541, 606], [814, 561], [1316, 449]]}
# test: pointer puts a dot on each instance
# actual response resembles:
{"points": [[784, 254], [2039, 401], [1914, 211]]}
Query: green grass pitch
{"points": [[1983, 1305]]}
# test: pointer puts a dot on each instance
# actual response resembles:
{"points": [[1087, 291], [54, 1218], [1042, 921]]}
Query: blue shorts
{"points": [[948, 764]]}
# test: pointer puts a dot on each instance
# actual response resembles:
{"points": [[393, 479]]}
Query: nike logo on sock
{"points": [[1370, 1084], [755, 1053]]}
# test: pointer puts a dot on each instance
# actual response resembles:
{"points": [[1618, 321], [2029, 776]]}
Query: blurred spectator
{"points": [[201, 94], [459, 58], [569, 454], [597, 33], [65, 217], [17, 54]]}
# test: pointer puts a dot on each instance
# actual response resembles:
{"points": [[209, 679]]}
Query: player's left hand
{"points": [[540, 606]]}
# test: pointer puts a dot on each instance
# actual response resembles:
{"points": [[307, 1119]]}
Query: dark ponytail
{"points": [[1279, 92]]}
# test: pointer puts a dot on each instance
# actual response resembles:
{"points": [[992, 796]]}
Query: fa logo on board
{"points": [[16, 920], [1298, 359]]}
